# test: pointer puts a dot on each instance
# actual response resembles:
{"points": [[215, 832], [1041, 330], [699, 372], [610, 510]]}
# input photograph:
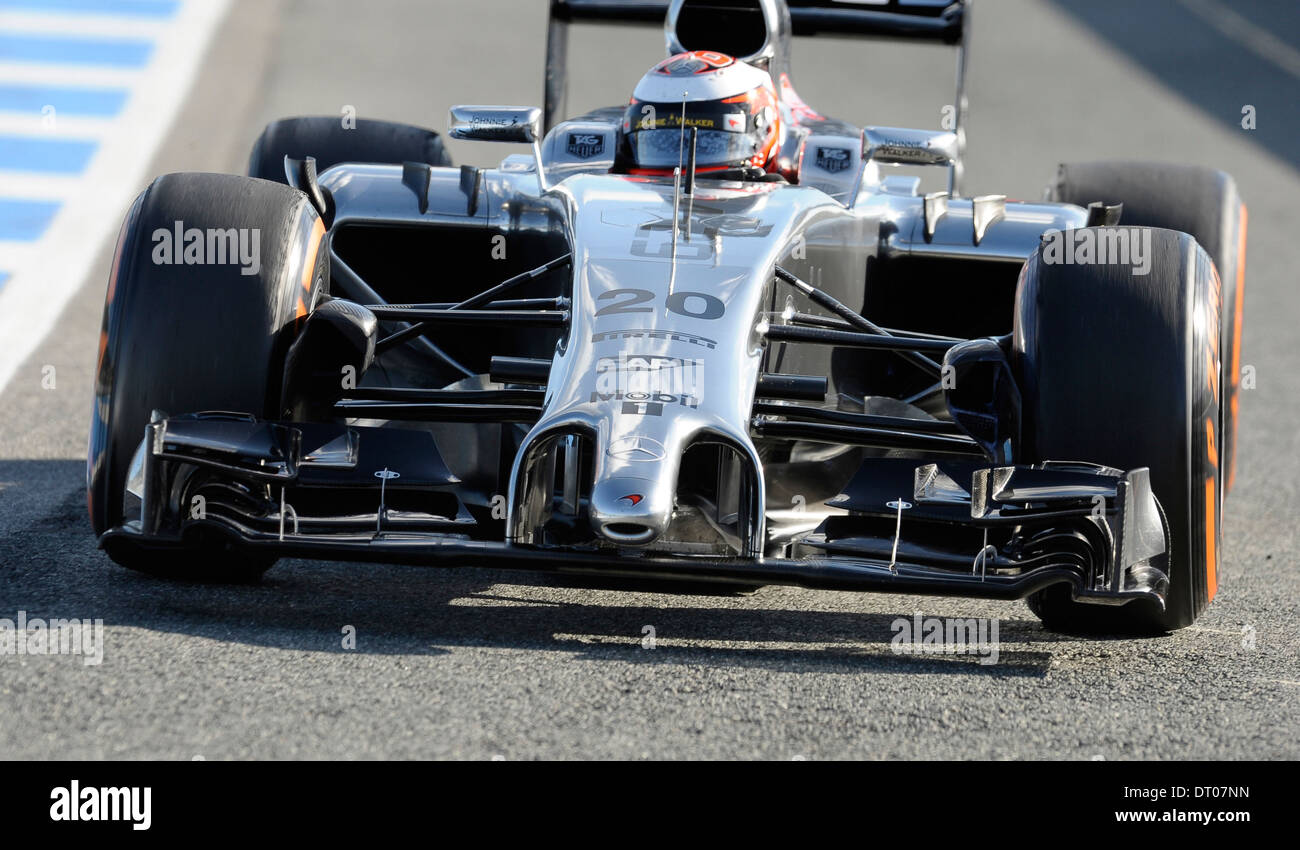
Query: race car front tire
{"points": [[1203, 202], [1118, 364], [189, 329]]}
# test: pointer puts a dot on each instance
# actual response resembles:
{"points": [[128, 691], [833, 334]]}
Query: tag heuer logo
{"points": [[833, 160], [586, 145]]}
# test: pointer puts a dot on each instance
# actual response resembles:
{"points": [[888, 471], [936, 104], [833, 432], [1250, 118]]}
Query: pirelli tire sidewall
{"points": [[1124, 369], [183, 338]]}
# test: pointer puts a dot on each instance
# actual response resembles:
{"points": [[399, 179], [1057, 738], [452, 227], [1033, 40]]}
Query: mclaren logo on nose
{"points": [[634, 498]]}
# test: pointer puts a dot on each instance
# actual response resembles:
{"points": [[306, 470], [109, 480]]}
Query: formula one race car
{"points": [[700, 336]]}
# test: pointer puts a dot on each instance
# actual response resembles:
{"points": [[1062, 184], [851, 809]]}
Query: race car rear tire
{"points": [[1197, 200], [330, 142], [197, 334], [1122, 369]]}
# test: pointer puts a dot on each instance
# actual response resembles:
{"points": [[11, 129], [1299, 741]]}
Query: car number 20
{"points": [[695, 305]]}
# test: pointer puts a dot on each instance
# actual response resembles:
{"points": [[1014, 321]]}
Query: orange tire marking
{"points": [[1211, 566], [317, 236], [1236, 338], [1211, 491], [1211, 372]]}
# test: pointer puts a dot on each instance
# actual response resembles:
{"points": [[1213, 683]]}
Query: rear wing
{"points": [[934, 20], [939, 20], [943, 21]]}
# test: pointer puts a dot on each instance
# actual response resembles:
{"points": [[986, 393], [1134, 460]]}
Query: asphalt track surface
{"points": [[477, 664]]}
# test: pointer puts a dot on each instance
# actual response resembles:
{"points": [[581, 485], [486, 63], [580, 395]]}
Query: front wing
{"points": [[351, 493]]}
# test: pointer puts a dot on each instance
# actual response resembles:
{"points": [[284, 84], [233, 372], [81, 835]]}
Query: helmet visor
{"points": [[667, 148], [654, 132]]}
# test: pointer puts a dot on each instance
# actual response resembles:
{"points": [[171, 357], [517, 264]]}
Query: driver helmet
{"points": [[731, 103]]}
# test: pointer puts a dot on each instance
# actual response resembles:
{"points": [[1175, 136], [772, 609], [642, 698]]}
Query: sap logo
{"points": [[712, 223], [833, 160], [92, 803], [586, 145]]}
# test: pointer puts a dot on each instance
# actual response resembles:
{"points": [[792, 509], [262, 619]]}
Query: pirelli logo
{"points": [[693, 339]]}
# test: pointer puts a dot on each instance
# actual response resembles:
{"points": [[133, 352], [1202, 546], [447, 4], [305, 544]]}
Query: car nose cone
{"points": [[630, 511]]}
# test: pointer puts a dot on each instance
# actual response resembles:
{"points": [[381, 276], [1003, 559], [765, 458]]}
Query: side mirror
{"points": [[518, 124], [910, 147]]}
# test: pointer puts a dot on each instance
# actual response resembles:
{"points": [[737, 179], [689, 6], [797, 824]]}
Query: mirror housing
{"points": [[910, 147], [517, 124]]}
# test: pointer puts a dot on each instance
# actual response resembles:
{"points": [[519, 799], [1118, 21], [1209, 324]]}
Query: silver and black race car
{"points": [[706, 335]]}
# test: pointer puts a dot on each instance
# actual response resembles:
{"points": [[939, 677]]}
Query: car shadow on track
{"points": [[50, 568]]}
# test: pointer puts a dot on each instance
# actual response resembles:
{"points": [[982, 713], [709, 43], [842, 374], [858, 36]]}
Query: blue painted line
{"points": [[3, 277], [46, 156], [119, 53], [25, 221], [132, 8], [22, 97]]}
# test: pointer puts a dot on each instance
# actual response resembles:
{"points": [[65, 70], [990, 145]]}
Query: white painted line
{"points": [[24, 184], [33, 298], [87, 76], [18, 254], [61, 127], [103, 26], [1251, 36]]}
